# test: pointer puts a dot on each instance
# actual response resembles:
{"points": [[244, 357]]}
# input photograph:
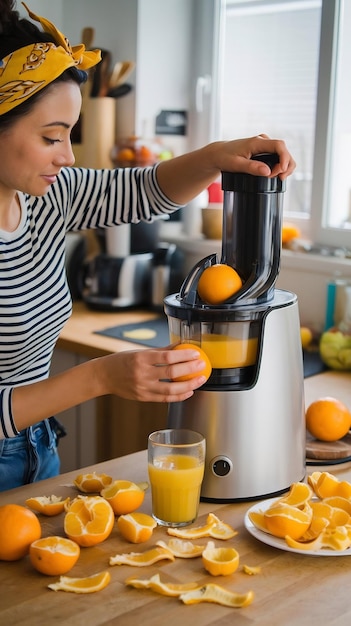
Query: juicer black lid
{"points": [[247, 183]]}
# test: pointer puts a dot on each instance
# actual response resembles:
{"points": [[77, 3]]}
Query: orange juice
{"points": [[225, 351], [175, 483]]}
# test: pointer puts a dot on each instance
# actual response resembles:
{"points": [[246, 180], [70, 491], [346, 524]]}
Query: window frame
{"points": [[313, 227]]}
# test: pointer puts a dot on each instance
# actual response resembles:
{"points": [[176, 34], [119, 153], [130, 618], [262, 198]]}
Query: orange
{"points": [[48, 505], [19, 527], [92, 483], [136, 527], [89, 520], [124, 496], [88, 584], [284, 519], [306, 336], [218, 283], [289, 232], [328, 419], [54, 555], [206, 371], [220, 561]]}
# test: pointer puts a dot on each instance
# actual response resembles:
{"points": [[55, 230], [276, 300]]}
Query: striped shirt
{"points": [[35, 301]]}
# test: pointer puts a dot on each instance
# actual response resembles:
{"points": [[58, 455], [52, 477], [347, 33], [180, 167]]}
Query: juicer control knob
{"points": [[221, 466]]}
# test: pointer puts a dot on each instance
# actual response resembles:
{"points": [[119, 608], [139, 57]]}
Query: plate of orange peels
{"points": [[319, 538]]}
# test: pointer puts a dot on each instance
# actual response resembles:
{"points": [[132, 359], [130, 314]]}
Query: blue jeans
{"points": [[29, 457]]}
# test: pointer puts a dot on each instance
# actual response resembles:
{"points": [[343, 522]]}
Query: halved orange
{"points": [[92, 482], [142, 559], [48, 505], [89, 520], [54, 555], [284, 519], [124, 496], [220, 561], [88, 584], [218, 595], [136, 527]]}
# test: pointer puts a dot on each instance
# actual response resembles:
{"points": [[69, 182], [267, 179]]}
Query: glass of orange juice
{"points": [[176, 463]]}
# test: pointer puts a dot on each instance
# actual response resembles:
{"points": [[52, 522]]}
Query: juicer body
{"points": [[251, 409], [255, 434]]}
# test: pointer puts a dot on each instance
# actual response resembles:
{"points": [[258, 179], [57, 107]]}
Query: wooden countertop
{"points": [[292, 589], [79, 333]]}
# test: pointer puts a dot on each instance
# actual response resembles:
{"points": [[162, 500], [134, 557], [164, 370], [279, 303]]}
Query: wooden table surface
{"points": [[292, 589]]}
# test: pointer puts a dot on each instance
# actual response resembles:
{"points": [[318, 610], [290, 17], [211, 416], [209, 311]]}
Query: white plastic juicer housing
{"points": [[251, 409]]}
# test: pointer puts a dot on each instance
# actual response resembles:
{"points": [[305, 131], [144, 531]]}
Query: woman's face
{"points": [[35, 148]]}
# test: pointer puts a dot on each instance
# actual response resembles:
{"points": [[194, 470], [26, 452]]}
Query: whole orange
{"points": [[218, 283], [19, 527], [328, 419], [206, 371]]}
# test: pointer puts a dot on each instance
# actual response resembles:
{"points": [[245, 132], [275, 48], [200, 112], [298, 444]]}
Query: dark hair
{"points": [[15, 33]]}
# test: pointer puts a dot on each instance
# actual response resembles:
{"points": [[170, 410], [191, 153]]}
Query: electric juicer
{"points": [[251, 409]]}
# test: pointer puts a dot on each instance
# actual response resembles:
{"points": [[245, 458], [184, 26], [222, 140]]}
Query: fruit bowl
{"points": [[335, 349]]}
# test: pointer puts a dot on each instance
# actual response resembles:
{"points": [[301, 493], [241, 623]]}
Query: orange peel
{"points": [[214, 528], [181, 549], [165, 589], [220, 561], [142, 559], [218, 595], [88, 584]]}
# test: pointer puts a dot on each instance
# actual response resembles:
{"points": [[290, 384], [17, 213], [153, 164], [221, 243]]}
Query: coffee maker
{"points": [[251, 409]]}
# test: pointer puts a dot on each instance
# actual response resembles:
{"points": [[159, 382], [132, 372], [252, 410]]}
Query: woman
{"points": [[41, 198]]}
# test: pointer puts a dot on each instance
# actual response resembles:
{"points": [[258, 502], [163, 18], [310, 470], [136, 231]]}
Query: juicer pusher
{"points": [[251, 242]]}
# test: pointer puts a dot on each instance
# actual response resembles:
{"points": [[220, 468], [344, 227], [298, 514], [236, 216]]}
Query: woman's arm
{"points": [[184, 177], [143, 375]]}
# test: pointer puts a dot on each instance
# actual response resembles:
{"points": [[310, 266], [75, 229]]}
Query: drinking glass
{"points": [[176, 462]]}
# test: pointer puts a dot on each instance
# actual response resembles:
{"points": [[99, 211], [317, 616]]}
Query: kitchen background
{"points": [[163, 38]]}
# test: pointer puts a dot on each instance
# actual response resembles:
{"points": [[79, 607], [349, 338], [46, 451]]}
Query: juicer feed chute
{"points": [[251, 409]]}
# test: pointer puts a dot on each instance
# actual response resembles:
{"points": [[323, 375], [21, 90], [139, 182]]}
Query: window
{"points": [[282, 67]]}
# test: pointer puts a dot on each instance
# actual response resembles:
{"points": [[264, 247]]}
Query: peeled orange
{"points": [[89, 520], [136, 527], [54, 555], [218, 283], [19, 527], [124, 496], [328, 419], [285, 519], [48, 505], [92, 482], [206, 371]]}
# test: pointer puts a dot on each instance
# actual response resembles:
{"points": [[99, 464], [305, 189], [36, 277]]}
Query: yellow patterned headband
{"points": [[27, 70]]}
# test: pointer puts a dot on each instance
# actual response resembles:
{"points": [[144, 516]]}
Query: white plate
{"points": [[276, 542]]}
